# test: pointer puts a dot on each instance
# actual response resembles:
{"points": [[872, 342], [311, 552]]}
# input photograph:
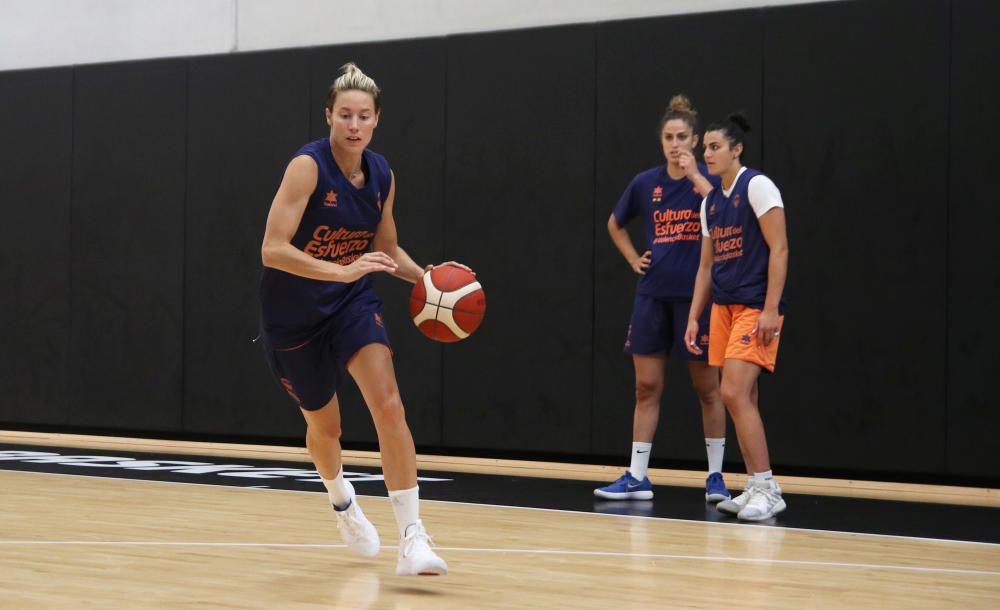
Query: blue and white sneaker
{"points": [[715, 488], [627, 488]]}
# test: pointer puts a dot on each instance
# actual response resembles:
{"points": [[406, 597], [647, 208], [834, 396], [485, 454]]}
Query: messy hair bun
{"points": [[680, 107]]}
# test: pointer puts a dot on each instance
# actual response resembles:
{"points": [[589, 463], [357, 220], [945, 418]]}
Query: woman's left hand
{"points": [[766, 328], [457, 264]]}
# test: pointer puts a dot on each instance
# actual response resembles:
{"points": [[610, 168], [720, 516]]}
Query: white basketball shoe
{"points": [[415, 555], [733, 506], [765, 502], [356, 530]]}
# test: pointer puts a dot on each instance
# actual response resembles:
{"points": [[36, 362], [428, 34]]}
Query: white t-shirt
{"points": [[762, 193]]}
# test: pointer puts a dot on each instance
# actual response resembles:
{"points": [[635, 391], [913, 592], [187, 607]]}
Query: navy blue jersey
{"points": [[739, 267], [338, 225], [670, 213]]}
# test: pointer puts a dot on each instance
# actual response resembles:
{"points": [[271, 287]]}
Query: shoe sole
{"points": [[724, 507], [365, 554], [712, 498], [624, 495], [780, 506], [426, 572]]}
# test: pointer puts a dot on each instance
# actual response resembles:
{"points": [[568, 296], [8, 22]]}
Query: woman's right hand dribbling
{"points": [[369, 262], [691, 338], [641, 264]]}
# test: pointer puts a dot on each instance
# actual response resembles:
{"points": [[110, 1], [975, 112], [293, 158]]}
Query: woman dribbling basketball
{"points": [[329, 228]]}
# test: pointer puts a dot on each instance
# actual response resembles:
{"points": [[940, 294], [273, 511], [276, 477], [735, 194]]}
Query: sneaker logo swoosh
{"points": [[630, 486], [646, 451]]}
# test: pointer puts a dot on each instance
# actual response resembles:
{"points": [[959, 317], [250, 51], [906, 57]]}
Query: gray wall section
{"points": [[35, 188], [855, 136], [150, 182], [247, 115], [640, 66], [518, 209], [127, 254], [973, 218]]}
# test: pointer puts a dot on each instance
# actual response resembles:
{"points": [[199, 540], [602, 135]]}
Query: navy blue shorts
{"points": [[312, 372], [657, 325]]}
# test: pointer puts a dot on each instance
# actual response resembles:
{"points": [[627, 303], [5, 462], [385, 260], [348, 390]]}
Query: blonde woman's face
{"points": [[352, 120], [676, 136]]}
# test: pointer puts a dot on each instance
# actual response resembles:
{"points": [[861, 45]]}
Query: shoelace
{"points": [[769, 497], [747, 491], [410, 541], [352, 525]]}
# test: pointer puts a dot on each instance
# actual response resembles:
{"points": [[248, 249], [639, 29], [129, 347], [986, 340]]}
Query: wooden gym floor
{"points": [[101, 522]]}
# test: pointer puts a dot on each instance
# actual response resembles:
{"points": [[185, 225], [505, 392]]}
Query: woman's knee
{"points": [[388, 408], [648, 390], [734, 396], [324, 430], [707, 390]]}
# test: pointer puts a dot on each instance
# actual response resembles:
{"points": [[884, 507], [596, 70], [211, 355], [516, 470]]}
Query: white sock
{"points": [[763, 476], [716, 448], [406, 507], [337, 489], [640, 460]]}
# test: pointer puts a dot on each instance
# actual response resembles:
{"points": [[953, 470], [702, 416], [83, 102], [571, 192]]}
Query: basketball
{"points": [[447, 304]]}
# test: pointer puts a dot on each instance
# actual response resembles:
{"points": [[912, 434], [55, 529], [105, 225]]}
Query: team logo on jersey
{"points": [[711, 209], [378, 320], [736, 200], [331, 199], [657, 194], [745, 339], [704, 340]]}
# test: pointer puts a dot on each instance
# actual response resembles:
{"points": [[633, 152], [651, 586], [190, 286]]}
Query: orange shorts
{"points": [[729, 337]]}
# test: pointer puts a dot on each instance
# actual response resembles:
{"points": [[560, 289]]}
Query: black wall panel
{"points": [[136, 196], [519, 210], [247, 115], [855, 136], [411, 135], [35, 190], [640, 65], [127, 245], [973, 220]]}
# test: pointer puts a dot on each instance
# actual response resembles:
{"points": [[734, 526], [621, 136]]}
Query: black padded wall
{"points": [[127, 245], [973, 220], [855, 136], [247, 115], [411, 135], [136, 195], [640, 65], [519, 209], [35, 192]]}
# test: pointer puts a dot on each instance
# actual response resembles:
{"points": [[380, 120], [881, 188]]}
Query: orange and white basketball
{"points": [[447, 304]]}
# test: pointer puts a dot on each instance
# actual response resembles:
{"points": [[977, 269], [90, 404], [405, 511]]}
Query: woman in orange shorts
{"points": [[744, 261]]}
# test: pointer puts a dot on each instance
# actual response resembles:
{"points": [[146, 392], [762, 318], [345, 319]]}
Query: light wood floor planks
{"points": [[81, 542]]}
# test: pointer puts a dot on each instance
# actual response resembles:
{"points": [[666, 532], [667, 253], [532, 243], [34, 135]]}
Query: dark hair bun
{"points": [[740, 120]]}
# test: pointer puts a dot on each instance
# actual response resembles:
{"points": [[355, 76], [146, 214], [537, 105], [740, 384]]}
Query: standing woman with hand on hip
{"points": [[330, 227], [744, 261], [667, 198]]}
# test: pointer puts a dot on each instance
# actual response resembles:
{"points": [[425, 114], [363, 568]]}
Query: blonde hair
{"points": [[353, 79], [680, 107]]}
